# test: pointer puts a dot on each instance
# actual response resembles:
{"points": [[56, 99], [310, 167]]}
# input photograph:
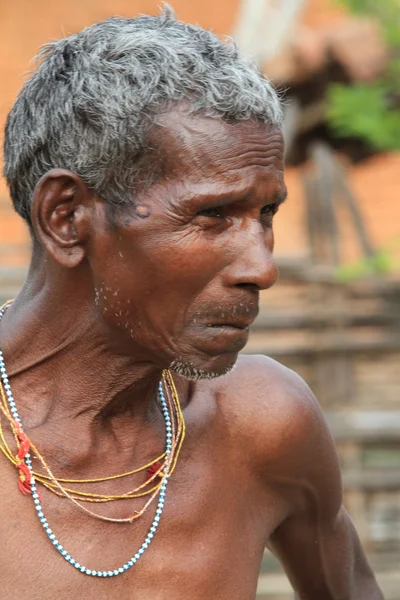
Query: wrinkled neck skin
{"points": [[61, 361]]}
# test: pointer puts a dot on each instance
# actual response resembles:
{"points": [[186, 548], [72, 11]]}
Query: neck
{"points": [[62, 364]]}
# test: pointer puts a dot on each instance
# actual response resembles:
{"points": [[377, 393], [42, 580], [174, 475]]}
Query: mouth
{"points": [[228, 323], [227, 326], [226, 336]]}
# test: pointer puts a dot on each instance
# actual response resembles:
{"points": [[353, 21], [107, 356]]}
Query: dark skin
{"points": [[105, 308]]}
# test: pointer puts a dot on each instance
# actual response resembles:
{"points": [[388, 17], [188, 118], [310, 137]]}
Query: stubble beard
{"points": [[191, 373]]}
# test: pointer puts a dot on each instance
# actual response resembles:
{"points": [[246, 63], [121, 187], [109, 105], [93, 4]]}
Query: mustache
{"points": [[238, 310]]}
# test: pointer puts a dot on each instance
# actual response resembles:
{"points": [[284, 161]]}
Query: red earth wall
{"points": [[26, 25]]}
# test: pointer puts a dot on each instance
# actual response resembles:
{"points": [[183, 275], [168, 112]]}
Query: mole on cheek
{"points": [[142, 211]]}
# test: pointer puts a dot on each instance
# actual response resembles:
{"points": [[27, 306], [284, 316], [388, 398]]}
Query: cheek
{"points": [[113, 304], [148, 310], [132, 318], [151, 286], [184, 262]]}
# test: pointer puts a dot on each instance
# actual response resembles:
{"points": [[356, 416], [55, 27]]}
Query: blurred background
{"points": [[334, 315]]}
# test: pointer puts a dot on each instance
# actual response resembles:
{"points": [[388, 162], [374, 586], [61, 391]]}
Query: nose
{"points": [[254, 265]]}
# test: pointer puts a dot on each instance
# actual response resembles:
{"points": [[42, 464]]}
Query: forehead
{"points": [[197, 148]]}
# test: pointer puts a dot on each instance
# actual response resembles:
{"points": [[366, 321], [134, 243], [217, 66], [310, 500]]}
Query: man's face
{"points": [[178, 276]]}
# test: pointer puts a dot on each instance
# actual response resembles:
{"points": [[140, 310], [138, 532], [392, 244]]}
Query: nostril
{"points": [[252, 287]]}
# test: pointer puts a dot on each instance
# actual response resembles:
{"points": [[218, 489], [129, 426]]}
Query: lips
{"points": [[235, 320], [241, 326], [238, 316]]}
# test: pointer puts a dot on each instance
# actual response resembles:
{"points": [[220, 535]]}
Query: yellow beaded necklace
{"points": [[156, 468]]}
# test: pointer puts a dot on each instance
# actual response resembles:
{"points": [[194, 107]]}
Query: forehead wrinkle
{"points": [[239, 148], [233, 188], [233, 168], [246, 161], [195, 143], [225, 158]]}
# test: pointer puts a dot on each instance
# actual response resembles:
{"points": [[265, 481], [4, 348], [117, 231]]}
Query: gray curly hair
{"points": [[90, 105]]}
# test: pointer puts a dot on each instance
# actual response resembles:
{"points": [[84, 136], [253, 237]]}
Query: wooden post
{"points": [[263, 27]]}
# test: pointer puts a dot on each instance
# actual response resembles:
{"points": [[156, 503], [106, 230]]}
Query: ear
{"points": [[61, 215]]}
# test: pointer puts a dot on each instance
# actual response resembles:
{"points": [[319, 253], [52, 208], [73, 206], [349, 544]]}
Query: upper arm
{"points": [[316, 541]]}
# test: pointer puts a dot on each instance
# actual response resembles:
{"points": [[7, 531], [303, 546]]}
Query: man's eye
{"points": [[269, 209], [215, 212]]}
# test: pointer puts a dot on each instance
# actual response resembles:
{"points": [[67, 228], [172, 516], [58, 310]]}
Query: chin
{"points": [[191, 372]]}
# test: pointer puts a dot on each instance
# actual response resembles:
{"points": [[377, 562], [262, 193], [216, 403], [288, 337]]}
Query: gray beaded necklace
{"points": [[36, 500]]}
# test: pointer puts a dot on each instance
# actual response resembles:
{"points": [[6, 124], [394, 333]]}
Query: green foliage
{"points": [[371, 111], [378, 264], [383, 262], [364, 111]]}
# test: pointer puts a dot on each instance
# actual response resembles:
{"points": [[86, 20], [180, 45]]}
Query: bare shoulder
{"points": [[279, 423], [263, 393]]}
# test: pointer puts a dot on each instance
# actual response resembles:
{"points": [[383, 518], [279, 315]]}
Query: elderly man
{"points": [[142, 459]]}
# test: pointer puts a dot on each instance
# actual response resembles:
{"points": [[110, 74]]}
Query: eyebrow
{"points": [[232, 197]]}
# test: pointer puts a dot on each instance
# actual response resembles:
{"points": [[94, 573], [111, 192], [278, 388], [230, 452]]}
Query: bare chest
{"points": [[208, 544]]}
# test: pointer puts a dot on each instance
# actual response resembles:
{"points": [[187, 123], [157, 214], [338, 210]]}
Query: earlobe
{"points": [[60, 208]]}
